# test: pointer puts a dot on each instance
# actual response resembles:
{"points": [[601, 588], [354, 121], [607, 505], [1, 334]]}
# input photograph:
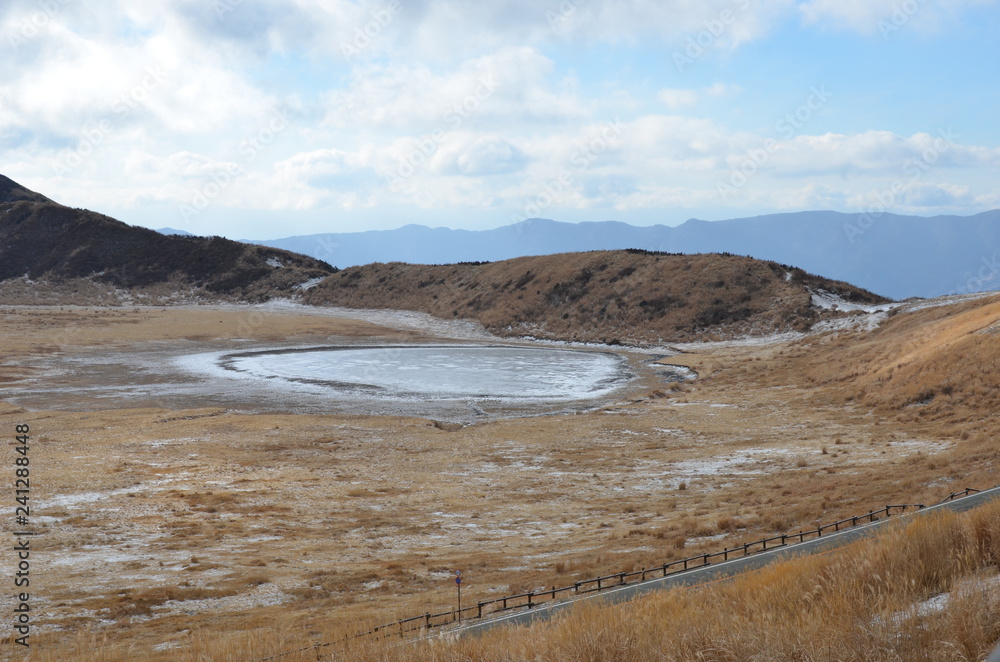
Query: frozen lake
{"points": [[460, 381], [438, 372]]}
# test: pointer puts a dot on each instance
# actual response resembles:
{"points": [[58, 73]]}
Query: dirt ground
{"points": [[154, 521]]}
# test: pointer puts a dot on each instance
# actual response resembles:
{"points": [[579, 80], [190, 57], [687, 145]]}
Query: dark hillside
{"points": [[11, 191], [46, 242]]}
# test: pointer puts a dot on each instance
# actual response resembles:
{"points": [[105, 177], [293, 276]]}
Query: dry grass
{"points": [[295, 528], [866, 602]]}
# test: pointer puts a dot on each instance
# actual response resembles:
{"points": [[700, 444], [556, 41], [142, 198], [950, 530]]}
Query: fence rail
{"points": [[532, 599]]}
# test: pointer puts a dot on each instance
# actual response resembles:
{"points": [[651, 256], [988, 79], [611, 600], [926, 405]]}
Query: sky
{"points": [[260, 119]]}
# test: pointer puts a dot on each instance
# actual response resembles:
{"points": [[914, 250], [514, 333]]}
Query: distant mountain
{"points": [[173, 231], [56, 251], [898, 256], [627, 296]]}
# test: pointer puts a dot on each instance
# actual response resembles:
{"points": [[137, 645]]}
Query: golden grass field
{"points": [[203, 533]]}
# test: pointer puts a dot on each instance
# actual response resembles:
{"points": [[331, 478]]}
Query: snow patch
{"points": [[923, 304], [678, 372], [309, 284], [748, 341], [264, 595], [831, 301], [938, 603], [754, 461]]}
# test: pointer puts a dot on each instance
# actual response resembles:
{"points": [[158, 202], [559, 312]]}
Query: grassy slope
{"points": [[940, 363], [603, 296]]}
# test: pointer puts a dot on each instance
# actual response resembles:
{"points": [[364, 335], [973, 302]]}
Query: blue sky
{"points": [[263, 119]]}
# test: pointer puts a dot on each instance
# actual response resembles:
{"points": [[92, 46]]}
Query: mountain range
{"points": [[893, 255]]}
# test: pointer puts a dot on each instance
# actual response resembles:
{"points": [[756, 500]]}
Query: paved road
{"points": [[718, 571]]}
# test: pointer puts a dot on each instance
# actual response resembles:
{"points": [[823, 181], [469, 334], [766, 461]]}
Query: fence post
{"points": [[530, 594], [480, 614], [576, 587], [427, 620]]}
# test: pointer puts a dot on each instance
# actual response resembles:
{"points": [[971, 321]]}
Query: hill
{"points": [[601, 296], [897, 256], [11, 191], [49, 251]]}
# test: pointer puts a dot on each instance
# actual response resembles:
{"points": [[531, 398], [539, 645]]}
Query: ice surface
{"points": [[439, 371]]}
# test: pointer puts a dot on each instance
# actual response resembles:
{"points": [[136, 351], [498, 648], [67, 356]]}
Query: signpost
{"points": [[458, 583]]}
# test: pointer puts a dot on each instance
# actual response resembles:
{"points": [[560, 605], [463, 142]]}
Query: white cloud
{"points": [[883, 16], [921, 195], [879, 152], [510, 85], [679, 141], [479, 156], [165, 81], [674, 99], [445, 29], [860, 15]]}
